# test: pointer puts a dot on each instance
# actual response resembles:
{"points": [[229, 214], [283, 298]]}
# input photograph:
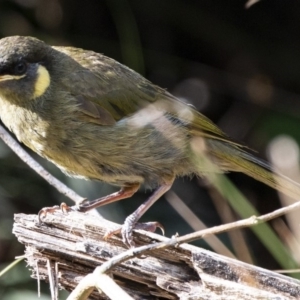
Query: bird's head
{"points": [[25, 67]]}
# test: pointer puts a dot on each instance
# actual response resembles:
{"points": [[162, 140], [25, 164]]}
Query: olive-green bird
{"points": [[97, 119]]}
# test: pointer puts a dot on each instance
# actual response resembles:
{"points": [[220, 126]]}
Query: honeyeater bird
{"points": [[96, 119]]}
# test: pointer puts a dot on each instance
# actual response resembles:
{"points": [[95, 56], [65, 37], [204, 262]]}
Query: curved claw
{"points": [[109, 234], [150, 226], [127, 228], [44, 211], [65, 208]]}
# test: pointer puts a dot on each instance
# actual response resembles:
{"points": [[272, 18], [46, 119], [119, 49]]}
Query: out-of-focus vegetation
{"points": [[238, 66]]}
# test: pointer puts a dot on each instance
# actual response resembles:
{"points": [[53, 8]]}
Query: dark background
{"points": [[238, 66]]}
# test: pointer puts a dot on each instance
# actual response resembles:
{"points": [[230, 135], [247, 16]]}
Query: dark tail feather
{"points": [[238, 160]]}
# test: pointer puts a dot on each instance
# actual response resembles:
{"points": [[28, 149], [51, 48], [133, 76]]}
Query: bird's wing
{"points": [[105, 87], [108, 91]]}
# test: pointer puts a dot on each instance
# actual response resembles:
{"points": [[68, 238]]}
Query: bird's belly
{"points": [[120, 156], [127, 167]]}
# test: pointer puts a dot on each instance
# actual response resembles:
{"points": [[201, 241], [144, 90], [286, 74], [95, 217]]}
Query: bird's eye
{"points": [[20, 68]]}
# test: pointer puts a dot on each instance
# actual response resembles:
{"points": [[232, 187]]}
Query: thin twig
{"points": [[254, 220], [15, 146]]}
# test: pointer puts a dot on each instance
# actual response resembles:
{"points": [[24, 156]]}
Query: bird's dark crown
{"points": [[17, 51]]}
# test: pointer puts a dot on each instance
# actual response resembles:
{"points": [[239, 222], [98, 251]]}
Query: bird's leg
{"points": [[123, 193], [131, 221]]}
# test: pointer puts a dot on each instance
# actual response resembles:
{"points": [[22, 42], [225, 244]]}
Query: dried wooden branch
{"points": [[72, 246]]}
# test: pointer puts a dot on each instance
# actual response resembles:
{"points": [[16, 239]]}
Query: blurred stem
{"points": [[11, 265], [238, 241], [128, 34], [263, 231]]}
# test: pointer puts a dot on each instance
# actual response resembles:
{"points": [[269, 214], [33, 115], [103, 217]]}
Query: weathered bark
{"points": [[73, 245]]}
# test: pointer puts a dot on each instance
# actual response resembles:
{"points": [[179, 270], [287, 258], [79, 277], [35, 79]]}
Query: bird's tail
{"points": [[236, 159]]}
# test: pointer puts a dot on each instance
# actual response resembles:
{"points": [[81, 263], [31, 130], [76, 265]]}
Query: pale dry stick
{"points": [[188, 215], [15, 146], [51, 281], [38, 279], [103, 283]]}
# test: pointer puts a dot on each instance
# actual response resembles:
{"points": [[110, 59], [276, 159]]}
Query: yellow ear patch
{"points": [[42, 81]]}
